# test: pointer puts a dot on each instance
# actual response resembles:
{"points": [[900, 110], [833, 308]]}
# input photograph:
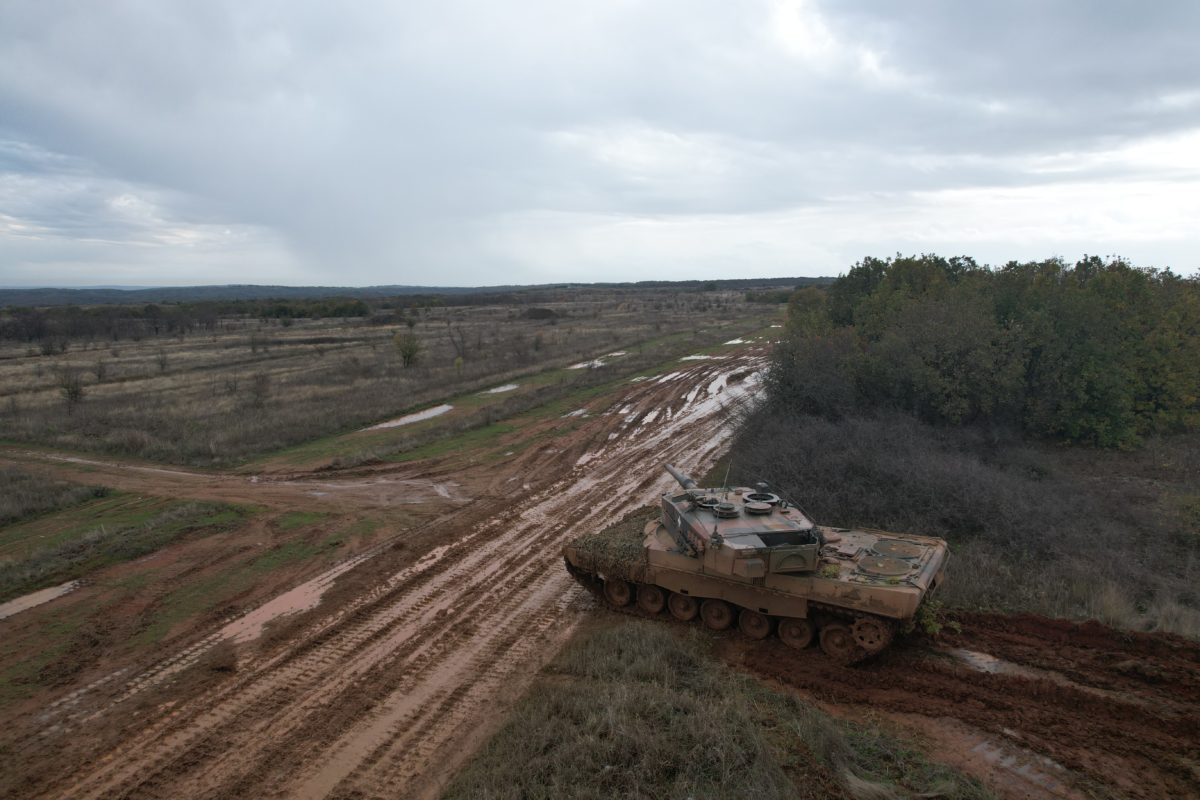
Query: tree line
{"points": [[1100, 351], [117, 322]]}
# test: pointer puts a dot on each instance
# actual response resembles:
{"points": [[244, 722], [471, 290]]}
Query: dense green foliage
{"points": [[1099, 352]]}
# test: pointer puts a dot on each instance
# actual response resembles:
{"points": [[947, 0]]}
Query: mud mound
{"points": [[1119, 711]]}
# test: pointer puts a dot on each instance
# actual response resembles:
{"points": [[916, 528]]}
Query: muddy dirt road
{"points": [[1038, 708], [410, 652], [384, 689]]}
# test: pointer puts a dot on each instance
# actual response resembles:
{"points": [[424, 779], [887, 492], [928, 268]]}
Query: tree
{"points": [[409, 346], [70, 383]]}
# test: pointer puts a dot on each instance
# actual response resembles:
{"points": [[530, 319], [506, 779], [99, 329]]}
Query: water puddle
{"points": [[985, 662], [737, 341], [587, 364], [508, 387], [304, 597], [1042, 775], [617, 354], [408, 419], [579, 412], [33, 599], [699, 358]]}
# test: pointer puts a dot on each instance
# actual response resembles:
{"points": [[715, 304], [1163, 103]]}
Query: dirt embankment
{"points": [[1038, 707]]}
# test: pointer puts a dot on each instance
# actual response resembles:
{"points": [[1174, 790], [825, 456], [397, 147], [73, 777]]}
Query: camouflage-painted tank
{"points": [[748, 557]]}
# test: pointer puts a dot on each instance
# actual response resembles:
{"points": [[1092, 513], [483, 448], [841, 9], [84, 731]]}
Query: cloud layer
{"points": [[474, 143]]}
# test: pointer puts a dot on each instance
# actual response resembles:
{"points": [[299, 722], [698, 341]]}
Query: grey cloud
{"points": [[391, 139]]}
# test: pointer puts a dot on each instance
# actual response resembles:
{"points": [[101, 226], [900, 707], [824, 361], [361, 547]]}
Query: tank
{"points": [[747, 557]]}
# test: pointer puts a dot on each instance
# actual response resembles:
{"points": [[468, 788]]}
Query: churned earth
{"points": [[378, 673]]}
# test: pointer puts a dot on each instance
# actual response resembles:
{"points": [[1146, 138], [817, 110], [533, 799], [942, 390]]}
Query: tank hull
{"points": [[764, 569]]}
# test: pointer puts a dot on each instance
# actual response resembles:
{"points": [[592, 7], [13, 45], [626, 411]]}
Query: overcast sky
{"points": [[465, 143]]}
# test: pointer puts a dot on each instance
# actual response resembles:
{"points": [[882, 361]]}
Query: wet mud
{"points": [[1037, 707], [392, 665]]}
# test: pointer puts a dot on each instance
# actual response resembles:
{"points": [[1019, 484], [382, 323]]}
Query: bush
{"points": [[1032, 528]]}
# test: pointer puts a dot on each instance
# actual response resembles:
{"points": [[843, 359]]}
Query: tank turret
{"points": [[747, 556]]}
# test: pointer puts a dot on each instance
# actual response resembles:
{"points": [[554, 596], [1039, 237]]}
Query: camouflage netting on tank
{"points": [[617, 550]]}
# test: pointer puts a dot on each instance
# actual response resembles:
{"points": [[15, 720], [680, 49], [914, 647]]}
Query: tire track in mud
{"points": [[1043, 708], [365, 702]]}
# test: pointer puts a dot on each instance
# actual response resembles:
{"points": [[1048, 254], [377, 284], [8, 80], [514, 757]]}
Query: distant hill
{"points": [[191, 294]]}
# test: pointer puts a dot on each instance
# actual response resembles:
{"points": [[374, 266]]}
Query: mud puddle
{"points": [[34, 599], [408, 419], [1026, 703], [304, 597]]}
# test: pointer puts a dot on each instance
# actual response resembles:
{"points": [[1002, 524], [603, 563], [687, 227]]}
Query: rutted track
{"points": [[375, 699]]}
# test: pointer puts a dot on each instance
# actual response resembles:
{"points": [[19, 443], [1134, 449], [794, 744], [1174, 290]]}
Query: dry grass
{"points": [[641, 710], [23, 494], [1066, 532], [256, 386]]}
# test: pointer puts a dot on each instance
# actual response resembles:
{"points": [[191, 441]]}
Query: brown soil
{"points": [[1037, 707], [415, 654], [415, 651]]}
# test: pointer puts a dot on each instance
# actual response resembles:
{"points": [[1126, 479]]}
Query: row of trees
{"points": [[1099, 351]]}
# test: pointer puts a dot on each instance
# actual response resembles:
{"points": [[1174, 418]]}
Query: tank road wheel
{"points": [[651, 599], [838, 643], [754, 624], [796, 633], [871, 634], [682, 607], [618, 592], [717, 614]]}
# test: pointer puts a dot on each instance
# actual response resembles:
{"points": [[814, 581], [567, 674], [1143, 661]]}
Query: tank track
{"points": [[822, 613]]}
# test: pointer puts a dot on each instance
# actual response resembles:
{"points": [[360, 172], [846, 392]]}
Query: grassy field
{"points": [[636, 709], [248, 387], [116, 527], [23, 495]]}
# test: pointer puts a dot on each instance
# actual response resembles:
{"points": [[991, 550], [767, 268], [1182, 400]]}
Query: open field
{"points": [[237, 388], [364, 625]]}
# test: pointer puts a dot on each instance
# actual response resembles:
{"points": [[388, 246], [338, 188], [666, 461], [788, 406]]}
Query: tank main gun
{"points": [[684, 479]]}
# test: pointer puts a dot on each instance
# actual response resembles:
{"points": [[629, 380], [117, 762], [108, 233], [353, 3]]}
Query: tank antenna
{"points": [[725, 483]]}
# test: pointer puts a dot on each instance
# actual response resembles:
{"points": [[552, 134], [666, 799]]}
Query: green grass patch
{"points": [[477, 438], [70, 544], [298, 519], [640, 710]]}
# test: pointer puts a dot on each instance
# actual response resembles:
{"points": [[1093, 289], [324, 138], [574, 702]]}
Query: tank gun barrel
{"points": [[684, 479]]}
